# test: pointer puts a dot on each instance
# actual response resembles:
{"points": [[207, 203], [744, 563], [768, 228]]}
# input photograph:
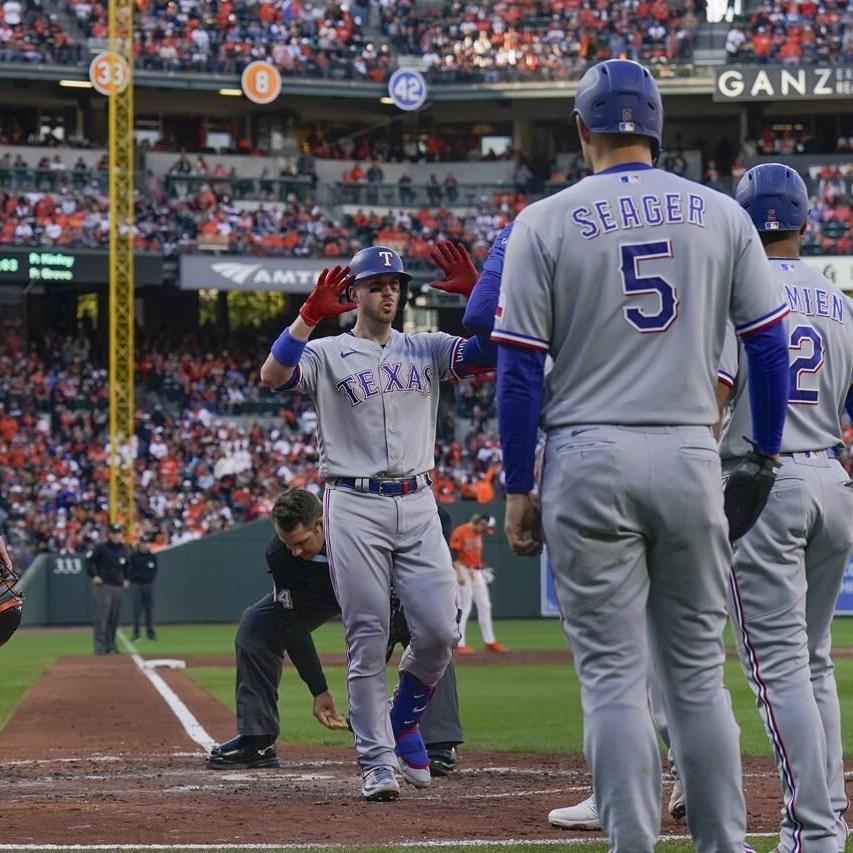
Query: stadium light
{"points": [[231, 93], [386, 100], [75, 84]]}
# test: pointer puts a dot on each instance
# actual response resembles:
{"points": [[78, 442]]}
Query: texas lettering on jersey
{"points": [[392, 378], [377, 404]]}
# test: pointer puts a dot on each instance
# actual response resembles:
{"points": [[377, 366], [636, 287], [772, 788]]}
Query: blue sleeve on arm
{"points": [[769, 384], [521, 384], [479, 316], [848, 404], [474, 354]]}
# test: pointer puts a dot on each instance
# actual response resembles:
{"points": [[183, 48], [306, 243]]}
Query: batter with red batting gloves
{"points": [[376, 395]]}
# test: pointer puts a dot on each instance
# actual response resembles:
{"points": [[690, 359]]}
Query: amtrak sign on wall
{"points": [[248, 272], [776, 82]]}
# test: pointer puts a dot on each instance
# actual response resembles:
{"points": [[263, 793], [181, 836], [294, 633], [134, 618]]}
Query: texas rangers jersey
{"points": [[820, 336], [377, 405], [627, 279]]}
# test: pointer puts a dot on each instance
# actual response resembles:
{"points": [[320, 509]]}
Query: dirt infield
{"points": [[94, 756]]}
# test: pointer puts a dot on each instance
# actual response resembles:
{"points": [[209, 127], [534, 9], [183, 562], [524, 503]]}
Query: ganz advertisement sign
{"points": [[775, 82], [247, 272]]}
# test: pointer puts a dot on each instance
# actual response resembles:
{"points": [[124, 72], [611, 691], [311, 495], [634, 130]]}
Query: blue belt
{"points": [[829, 453], [386, 488]]}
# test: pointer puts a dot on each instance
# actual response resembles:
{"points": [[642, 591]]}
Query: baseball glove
{"points": [[398, 631], [747, 491]]}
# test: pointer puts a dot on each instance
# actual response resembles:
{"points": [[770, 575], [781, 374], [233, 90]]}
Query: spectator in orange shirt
{"points": [[466, 546]]}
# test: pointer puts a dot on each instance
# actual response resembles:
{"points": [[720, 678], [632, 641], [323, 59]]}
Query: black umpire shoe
{"points": [[244, 752], [442, 758]]}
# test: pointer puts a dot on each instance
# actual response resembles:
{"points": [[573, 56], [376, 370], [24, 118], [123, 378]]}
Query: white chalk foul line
{"points": [[420, 844], [185, 717]]}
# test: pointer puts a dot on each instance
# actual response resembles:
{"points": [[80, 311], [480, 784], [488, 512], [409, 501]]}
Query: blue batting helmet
{"points": [[377, 260], [621, 96], [775, 197]]}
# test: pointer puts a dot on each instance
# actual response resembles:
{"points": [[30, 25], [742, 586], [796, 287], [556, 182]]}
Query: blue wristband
{"points": [[287, 350]]}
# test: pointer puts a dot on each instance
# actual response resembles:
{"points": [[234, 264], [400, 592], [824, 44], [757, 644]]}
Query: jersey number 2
{"points": [[634, 283], [805, 364]]}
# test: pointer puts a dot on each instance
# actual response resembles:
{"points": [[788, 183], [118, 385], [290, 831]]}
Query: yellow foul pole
{"points": [[121, 285]]}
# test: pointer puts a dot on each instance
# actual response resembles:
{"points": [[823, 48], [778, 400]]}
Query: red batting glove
{"points": [[460, 274], [325, 298]]}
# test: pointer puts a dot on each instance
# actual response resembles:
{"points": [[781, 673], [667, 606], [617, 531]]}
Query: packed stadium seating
{"points": [[50, 205], [462, 42], [457, 41], [29, 34], [794, 33], [196, 473], [322, 40]]}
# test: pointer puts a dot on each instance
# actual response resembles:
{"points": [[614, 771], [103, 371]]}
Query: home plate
{"points": [[164, 663]]}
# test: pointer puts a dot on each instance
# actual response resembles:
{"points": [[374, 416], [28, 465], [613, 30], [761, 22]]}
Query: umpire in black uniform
{"points": [[281, 624], [108, 565], [143, 570]]}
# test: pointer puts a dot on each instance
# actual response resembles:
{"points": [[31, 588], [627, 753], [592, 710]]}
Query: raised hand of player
{"points": [[523, 525], [460, 274], [325, 298], [326, 712]]}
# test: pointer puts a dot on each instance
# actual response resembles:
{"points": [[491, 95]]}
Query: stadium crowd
{"points": [[197, 471], [533, 39], [74, 214], [223, 36], [77, 217], [30, 34], [457, 41], [794, 33]]}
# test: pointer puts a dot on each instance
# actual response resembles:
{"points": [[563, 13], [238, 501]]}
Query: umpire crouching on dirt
{"points": [[281, 624], [143, 570], [108, 566]]}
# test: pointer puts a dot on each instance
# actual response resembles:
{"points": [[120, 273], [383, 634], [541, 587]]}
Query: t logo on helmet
{"points": [[386, 257]]}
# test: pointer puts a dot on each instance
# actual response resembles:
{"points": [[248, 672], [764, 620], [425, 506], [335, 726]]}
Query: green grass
{"points": [[496, 702]]}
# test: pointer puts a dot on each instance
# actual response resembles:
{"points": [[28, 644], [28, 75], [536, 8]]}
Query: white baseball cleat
{"points": [[380, 785], [677, 803], [582, 816], [420, 777]]}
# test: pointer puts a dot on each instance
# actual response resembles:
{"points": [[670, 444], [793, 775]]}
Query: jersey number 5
{"points": [[634, 283], [805, 364]]}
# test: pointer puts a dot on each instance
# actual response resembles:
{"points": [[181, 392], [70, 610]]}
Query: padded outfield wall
{"points": [[214, 579]]}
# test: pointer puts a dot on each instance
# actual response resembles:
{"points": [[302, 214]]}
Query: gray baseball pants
{"points": [[372, 541], [784, 585], [634, 523]]}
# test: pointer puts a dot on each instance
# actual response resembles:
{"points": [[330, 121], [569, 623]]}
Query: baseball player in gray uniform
{"points": [[788, 568], [627, 280], [376, 394]]}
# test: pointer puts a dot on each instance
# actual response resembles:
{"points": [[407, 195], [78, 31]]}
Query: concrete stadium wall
{"points": [[214, 579]]}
